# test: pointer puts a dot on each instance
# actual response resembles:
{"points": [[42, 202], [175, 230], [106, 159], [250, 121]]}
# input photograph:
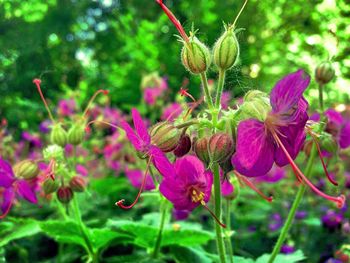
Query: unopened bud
{"points": [[26, 169], [195, 56], [65, 194], [58, 135], [324, 72], [53, 152], [256, 105], [76, 134], [226, 50], [221, 147], [183, 147], [201, 149], [165, 136], [77, 184], [328, 143], [50, 186]]}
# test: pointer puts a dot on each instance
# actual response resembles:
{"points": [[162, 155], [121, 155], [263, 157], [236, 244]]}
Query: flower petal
{"points": [[135, 177], [254, 149], [140, 127], [288, 91], [8, 199], [161, 162], [333, 116], [7, 176], [190, 169], [133, 138], [344, 136], [26, 191]]}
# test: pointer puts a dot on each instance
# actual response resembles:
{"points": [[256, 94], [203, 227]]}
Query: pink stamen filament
{"points": [[173, 19], [120, 203], [213, 215], [322, 161], [252, 186], [340, 200], [37, 83], [87, 127], [50, 170], [105, 92]]}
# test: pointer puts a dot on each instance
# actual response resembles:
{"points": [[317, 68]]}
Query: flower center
{"points": [[197, 196]]}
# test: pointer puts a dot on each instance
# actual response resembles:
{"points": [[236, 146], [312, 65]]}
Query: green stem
{"points": [[164, 211], [293, 210], [218, 229], [220, 87], [320, 96], [207, 95], [92, 254], [186, 124], [228, 230]]}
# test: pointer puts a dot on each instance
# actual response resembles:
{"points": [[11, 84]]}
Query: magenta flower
{"points": [[135, 177], [66, 107], [141, 140], [225, 99], [338, 127], [280, 137], [151, 94], [13, 187], [171, 112]]}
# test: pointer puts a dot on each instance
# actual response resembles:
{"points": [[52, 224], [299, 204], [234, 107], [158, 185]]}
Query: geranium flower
{"points": [[279, 138], [13, 187]]}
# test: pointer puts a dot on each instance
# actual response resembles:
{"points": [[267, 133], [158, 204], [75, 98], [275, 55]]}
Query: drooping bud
{"points": [[58, 135], [76, 134], [77, 184], [50, 186], [324, 73], [220, 147], [53, 152], [328, 143], [226, 50], [195, 56], [201, 149], [65, 194], [183, 147], [26, 169], [165, 136]]}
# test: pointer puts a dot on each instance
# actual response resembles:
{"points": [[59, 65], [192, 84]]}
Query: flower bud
{"points": [[58, 135], [65, 194], [53, 152], [328, 143], [195, 56], [183, 147], [324, 73], [201, 149], [256, 105], [226, 50], [165, 136], [221, 147], [50, 186], [26, 169], [77, 184], [76, 134]]}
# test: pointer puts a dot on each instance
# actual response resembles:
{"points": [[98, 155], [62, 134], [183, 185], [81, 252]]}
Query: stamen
{"points": [[105, 92], [322, 161], [50, 170], [184, 92], [213, 215], [120, 203], [252, 186], [173, 19], [37, 82], [240, 12], [87, 127], [340, 200], [192, 107]]}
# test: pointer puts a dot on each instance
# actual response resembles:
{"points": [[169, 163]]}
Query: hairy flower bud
{"points": [[201, 149], [226, 50], [221, 147], [256, 105], [328, 143], [58, 135], [76, 134], [77, 184], [324, 73], [195, 56], [65, 194], [183, 147], [50, 186], [26, 169], [53, 152], [165, 136]]}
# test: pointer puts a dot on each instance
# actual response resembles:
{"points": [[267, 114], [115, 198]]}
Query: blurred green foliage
{"points": [[85, 45]]}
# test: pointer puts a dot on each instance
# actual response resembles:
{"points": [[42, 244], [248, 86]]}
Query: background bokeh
{"points": [[80, 46]]}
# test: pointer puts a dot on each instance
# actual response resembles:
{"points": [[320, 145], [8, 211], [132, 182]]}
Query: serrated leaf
{"points": [[13, 229], [297, 256], [100, 238]]}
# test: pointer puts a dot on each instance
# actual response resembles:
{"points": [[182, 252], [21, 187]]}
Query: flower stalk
{"points": [[207, 95], [220, 87], [164, 209], [228, 231]]}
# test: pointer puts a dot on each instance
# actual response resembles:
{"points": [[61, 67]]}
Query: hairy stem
{"points": [[287, 225], [207, 95], [220, 87], [164, 212], [218, 229], [320, 97]]}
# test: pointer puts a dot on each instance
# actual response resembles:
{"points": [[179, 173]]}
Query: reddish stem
{"points": [[105, 92], [213, 215], [37, 83]]}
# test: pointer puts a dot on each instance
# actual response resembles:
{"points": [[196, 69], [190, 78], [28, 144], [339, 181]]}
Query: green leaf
{"points": [[100, 238], [297, 256], [14, 228], [190, 254]]}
